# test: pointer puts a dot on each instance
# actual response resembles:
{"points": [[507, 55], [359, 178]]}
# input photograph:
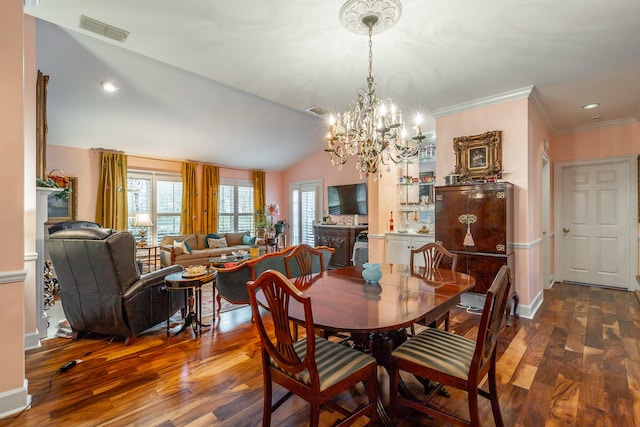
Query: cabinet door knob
{"points": [[566, 229]]}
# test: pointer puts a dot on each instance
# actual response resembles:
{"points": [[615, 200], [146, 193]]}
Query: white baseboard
{"points": [[32, 340], [476, 301], [14, 401], [529, 311]]}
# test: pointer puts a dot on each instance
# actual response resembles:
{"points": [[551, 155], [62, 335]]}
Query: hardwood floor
{"points": [[576, 363]]}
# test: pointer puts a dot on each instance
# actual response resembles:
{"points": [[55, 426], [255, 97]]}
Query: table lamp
{"points": [[142, 220]]}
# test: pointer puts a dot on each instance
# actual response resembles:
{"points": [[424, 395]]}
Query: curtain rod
{"points": [[168, 159]]}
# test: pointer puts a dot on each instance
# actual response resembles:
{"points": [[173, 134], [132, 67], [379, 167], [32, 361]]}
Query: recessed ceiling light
{"points": [[590, 106], [318, 111], [109, 86]]}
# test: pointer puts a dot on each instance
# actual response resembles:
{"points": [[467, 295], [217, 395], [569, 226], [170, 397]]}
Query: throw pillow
{"points": [[210, 236], [248, 240], [217, 243], [180, 245], [186, 245]]}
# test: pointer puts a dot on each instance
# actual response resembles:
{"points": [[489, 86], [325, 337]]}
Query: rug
{"points": [[208, 299]]}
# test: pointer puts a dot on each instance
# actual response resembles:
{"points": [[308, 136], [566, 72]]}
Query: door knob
{"points": [[566, 229]]}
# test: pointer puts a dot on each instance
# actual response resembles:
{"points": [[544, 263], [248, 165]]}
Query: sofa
{"points": [[197, 251], [231, 283]]}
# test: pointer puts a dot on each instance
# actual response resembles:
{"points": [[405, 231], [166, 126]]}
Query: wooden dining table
{"points": [[376, 315]]}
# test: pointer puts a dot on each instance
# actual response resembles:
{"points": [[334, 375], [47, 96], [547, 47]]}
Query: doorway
{"points": [[306, 206], [596, 222], [545, 214]]}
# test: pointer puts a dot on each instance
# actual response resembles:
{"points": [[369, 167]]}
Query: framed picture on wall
{"points": [[478, 156], [62, 206]]}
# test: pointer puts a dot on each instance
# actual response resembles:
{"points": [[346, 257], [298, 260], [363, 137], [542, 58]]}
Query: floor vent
{"points": [[103, 29]]}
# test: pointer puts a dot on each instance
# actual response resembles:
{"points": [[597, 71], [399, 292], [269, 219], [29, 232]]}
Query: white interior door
{"points": [[595, 224]]}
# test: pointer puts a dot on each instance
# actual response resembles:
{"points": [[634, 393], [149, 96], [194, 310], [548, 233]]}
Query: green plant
{"points": [[261, 218], [64, 194]]}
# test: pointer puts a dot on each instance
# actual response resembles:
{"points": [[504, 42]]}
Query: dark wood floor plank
{"points": [[576, 363]]}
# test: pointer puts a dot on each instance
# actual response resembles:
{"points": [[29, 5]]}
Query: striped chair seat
{"points": [[316, 371], [439, 350], [452, 360], [335, 362]]}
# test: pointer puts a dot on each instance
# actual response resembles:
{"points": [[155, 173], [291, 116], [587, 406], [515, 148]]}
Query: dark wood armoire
{"points": [[475, 221]]}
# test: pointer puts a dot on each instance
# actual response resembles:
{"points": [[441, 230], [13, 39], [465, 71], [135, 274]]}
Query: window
{"points": [[235, 206], [306, 205], [161, 196]]}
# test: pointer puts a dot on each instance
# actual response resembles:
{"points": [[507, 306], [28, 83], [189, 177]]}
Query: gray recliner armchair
{"points": [[101, 288], [71, 224]]}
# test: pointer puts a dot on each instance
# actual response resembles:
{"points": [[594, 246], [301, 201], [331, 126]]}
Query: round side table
{"points": [[191, 286]]}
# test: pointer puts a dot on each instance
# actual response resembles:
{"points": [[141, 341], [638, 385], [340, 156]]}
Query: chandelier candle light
{"points": [[372, 128]]}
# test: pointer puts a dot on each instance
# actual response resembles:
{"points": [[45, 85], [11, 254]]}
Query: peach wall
{"points": [[315, 167], [513, 119], [318, 166], [618, 141], [85, 165], [12, 228]]}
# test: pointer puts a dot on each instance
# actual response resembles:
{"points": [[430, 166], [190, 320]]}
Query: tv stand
{"points": [[339, 237]]}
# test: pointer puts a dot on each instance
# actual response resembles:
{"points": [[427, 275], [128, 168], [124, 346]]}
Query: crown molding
{"points": [[599, 125], [534, 97], [484, 102]]}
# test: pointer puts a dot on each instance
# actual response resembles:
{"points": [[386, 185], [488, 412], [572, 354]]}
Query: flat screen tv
{"points": [[350, 199]]}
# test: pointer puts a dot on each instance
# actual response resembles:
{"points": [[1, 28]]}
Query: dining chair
{"points": [[303, 260], [432, 256], [313, 368], [456, 361]]}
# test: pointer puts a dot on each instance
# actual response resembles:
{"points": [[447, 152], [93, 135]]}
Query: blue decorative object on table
{"points": [[371, 272]]}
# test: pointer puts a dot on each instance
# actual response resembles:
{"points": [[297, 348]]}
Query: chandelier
{"points": [[371, 128]]}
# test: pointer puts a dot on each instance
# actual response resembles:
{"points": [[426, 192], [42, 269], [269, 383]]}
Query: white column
{"points": [[42, 216]]}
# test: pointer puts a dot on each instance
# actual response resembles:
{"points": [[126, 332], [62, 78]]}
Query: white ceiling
{"points": [[199, 79]]}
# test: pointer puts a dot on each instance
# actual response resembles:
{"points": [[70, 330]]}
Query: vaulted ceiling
{"points": [[228, 82]]}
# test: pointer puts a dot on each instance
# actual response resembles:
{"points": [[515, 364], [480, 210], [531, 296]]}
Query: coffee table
{"points": [[191, 286], [220, 262]]}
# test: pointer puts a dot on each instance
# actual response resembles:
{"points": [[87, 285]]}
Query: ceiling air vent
{"points": [[103, 29]]}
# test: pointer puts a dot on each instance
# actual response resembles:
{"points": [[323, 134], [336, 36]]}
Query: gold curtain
{"points": [[210, 184], [41, 125], [259, 192], [111, 208], [189, 217]]}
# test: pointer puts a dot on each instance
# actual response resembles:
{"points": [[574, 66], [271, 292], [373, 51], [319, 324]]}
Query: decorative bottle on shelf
{"points": [[391, 221]]}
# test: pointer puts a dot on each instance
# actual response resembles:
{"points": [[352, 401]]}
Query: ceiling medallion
{"points": [[387, 11], [371, 129]]}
